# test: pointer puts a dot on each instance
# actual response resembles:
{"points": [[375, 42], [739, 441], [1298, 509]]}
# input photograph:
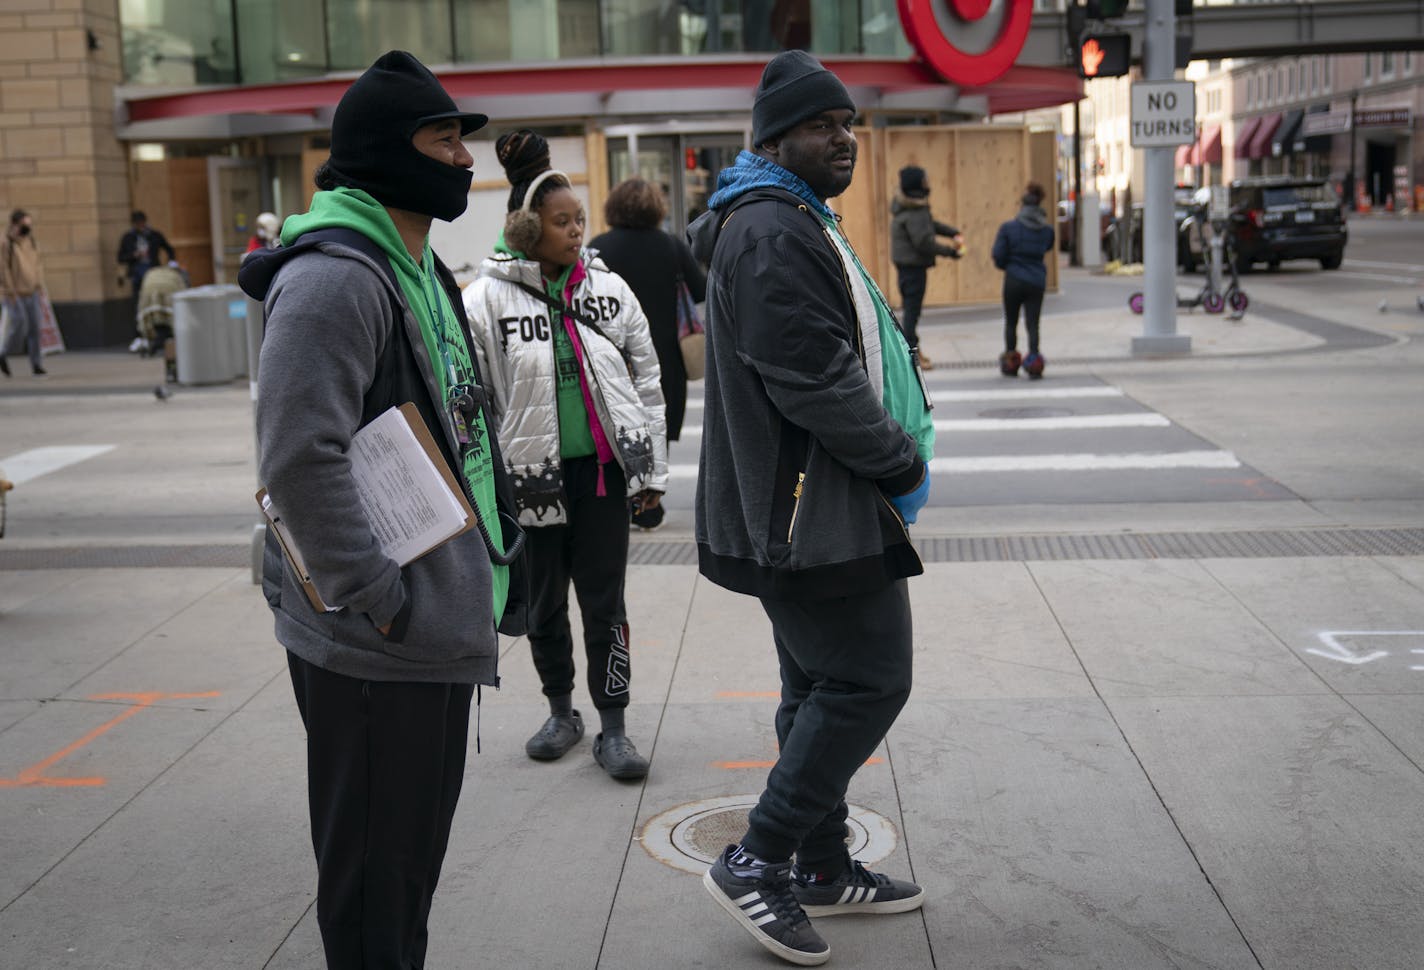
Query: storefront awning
{"points": [[1261, 141], [609, 86], [1184, 156], [1244, 136], [1283, 143], [1207, 150]]}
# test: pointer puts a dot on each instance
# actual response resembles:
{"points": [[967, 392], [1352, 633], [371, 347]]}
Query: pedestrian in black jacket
{"points": [[816, 437], [1019, 248], [913, 249], [140, 248], [652, 262]]}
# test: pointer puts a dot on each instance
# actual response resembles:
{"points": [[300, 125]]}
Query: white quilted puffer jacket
{"points": [[514, 343]]}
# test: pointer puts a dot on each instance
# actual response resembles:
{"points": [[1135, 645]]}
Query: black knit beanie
{"points": [[371, 138], [913, 184], [794, 87]]}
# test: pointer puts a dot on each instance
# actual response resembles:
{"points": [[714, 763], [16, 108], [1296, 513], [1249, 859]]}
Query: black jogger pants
{"points": [[385, 762], [591, 549], [1018, 294], [845, 675]]}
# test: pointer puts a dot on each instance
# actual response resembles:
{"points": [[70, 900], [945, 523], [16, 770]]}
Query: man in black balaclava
{"points": [[362, 316]]}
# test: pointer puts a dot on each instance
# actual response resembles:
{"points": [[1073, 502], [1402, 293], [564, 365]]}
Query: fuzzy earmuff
{"points": [[522, 229], [524, 226]]}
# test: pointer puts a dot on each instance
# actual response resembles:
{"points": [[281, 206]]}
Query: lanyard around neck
{"points": [[435, 306]]}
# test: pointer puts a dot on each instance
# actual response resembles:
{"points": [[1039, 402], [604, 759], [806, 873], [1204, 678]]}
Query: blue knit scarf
{"points": [[754, 172]]}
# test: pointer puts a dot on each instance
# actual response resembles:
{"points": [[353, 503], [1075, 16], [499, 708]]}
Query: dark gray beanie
{"points": [[794, 87]]}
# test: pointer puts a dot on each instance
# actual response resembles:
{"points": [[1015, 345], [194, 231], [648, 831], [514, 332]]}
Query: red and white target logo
{"points": [[969, 42]]}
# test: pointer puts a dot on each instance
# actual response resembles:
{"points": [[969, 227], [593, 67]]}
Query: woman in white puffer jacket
{"points": [[574, 388]]}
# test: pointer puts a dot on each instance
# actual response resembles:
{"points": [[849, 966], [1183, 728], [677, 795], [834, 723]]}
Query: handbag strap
{"points": [[582, 318]]}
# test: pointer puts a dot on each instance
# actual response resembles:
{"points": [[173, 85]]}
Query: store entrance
{"points": [[684, 163], [1379, 172]]}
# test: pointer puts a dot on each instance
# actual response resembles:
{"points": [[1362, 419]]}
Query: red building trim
{"points": [[1020, 89]]}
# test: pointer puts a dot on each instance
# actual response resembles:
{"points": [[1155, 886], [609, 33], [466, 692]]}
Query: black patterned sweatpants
{"points": [[591, 549]]}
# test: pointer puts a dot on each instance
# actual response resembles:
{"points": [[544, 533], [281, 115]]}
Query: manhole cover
{"points": [[1026, 413], [689, 837]]}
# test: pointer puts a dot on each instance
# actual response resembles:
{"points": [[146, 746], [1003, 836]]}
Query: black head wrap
{"points": [[371, 138]]}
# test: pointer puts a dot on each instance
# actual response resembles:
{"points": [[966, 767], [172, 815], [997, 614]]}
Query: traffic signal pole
{"points": [[1159, 312]]}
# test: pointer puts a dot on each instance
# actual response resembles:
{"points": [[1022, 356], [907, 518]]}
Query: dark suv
{"points": [[1279, 218]]}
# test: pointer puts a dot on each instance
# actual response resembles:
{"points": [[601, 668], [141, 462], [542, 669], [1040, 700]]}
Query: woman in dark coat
{"points": [[1019, 248], [651, 261]]}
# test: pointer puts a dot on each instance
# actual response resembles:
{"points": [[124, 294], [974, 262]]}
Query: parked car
{"points": [[1123, 241], [1275, 218], [1068, 225]]}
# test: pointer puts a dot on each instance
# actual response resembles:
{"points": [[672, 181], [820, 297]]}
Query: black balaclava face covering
{"points": [[371, 138]]}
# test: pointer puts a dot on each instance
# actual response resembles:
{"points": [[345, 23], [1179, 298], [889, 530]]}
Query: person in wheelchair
{"points": [[155, 313]]}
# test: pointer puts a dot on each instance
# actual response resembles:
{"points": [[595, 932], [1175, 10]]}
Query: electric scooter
{"points": [[1212, 297]]}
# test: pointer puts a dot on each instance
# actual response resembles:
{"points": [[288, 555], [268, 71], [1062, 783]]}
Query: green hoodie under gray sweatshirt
{"points": [[329, 317]]}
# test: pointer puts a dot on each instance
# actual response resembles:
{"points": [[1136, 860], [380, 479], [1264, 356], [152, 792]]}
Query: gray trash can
{"points": [[255, 325], [235, 316], [206, 335]]}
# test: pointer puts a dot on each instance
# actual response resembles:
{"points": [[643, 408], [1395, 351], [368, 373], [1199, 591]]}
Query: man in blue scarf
{"points": [[816, 445]]}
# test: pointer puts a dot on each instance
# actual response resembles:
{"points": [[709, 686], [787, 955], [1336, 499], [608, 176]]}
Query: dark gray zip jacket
{"points": [[912, 233], [798, 452], [336, 354]]}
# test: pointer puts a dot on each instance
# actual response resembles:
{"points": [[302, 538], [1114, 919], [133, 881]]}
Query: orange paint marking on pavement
{"points": [[734, 765], [34, 776]]}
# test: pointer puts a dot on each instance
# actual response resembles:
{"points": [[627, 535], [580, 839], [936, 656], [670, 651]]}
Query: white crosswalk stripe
{"points": [[1043, 441], [1143, 461], [29, 465]]}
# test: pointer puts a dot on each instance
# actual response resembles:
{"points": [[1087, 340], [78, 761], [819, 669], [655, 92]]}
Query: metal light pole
{"points": [[1159, 316], [1074, 259]]}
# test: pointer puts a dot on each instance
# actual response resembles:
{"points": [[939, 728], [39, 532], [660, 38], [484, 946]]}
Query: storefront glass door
{"points": [[685, 164]]}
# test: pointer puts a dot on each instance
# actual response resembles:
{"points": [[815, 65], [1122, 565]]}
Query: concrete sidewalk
{"points": [[1110, 760]]}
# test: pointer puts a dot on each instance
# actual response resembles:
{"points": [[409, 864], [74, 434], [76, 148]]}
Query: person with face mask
{"points": [[816, 442], [362, 316], [21, 285], [578, 403]]}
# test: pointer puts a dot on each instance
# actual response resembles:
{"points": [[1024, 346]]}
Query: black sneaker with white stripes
{"points": [[759, 897], [855, 890]]}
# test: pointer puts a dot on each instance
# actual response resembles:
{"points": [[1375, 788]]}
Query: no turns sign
{"points": [[1164, 113]]}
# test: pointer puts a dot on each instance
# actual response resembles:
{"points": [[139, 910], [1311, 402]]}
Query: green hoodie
{"points": [[903, 397], [439, 326]]}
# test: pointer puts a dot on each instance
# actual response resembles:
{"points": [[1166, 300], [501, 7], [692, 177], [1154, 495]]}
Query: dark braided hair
{"points": [[525, 156]]}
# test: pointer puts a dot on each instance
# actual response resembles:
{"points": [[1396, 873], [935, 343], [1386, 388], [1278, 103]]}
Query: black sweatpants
{"points": [[913, 280], [591, 548], [385, 762], [1018, 294], [845, 675]]}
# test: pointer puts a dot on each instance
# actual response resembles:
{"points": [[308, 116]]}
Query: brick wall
{"points": [[59, 158]]}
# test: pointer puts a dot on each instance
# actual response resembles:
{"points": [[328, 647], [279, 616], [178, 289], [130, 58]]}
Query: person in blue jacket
{"points": [[1019, 248]]}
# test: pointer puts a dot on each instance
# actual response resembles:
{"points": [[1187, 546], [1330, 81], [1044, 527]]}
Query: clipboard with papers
{"points": [[409, 494]]}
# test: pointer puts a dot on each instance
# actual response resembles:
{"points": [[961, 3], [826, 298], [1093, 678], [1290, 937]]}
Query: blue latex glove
{"points": [[909, 504]]}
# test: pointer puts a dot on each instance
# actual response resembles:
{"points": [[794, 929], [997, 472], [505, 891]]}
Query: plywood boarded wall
{"points": [[173, 193], [977, 175]]}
